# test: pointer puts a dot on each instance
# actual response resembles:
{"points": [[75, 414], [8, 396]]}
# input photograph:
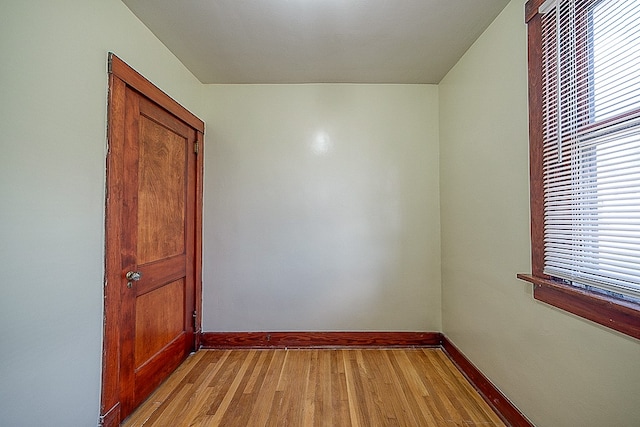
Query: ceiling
{"points": [[317, 41]]}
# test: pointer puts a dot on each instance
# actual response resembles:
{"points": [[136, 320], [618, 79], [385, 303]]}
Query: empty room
{"points": [[320, 212]]}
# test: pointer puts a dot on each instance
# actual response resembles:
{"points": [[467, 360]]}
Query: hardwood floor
{"points": [[316, 387]]}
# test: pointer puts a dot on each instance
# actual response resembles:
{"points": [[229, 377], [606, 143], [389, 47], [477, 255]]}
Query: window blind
{"points": [[591, 149]]}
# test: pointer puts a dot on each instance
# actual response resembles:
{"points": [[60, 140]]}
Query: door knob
{"points": [[134, 275]]}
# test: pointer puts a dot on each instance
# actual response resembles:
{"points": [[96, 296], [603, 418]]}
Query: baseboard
{"points": [[494, 397], [215, 340]]}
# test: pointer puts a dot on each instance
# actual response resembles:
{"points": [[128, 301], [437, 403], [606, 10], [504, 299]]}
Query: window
{"points": [[584, 90]]}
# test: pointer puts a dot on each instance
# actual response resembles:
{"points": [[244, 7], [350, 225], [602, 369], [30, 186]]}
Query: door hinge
{"points": [[195, 319], [196, 147]]}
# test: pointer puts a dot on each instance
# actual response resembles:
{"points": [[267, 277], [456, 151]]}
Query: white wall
{"points": [[560, 370], [53, 87], [322, 208]]}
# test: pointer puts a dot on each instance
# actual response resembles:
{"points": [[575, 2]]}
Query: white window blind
{"points": [[591, 155]]}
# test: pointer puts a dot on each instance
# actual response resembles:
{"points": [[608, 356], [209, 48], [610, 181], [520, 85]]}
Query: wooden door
{"points": [[157, 236], [152, 289]]}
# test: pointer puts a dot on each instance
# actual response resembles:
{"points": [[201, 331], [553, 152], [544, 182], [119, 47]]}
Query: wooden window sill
{"points": [[622, 316]]}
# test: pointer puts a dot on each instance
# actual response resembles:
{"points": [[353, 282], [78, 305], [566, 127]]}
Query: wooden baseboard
{"points": [[211, 340], [498, 401]]}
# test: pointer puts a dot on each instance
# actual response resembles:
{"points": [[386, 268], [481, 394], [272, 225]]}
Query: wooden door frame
{"points": [[122, 76]]}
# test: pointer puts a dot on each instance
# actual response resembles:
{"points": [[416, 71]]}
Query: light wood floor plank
{"points": [[266, 394], [194, 408], [316, 387]]}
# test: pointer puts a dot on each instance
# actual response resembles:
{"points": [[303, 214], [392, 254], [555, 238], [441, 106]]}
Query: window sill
{"points": [[622, 316]]}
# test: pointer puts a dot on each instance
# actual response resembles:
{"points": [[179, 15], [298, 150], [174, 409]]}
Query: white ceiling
{"points": [[317, 41]]}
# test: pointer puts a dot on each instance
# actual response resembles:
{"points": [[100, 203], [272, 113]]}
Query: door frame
{"points": [[122, 76]]}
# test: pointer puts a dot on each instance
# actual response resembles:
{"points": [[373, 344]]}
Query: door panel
{"points": [[159, 320], [161, 190]]}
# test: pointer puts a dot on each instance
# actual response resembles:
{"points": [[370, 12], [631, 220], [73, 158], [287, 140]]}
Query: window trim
{"points": [[620, 315]]}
